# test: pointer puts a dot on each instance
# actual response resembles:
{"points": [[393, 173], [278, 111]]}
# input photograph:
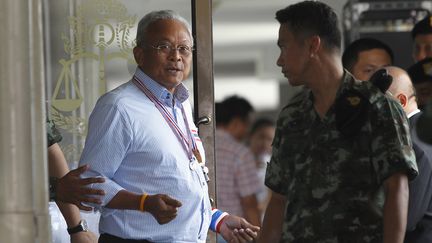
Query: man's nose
{"points": [[279, 61], [174, 54]]}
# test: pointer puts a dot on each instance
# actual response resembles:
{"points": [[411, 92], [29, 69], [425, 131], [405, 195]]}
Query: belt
{"points": [[107, 238]]}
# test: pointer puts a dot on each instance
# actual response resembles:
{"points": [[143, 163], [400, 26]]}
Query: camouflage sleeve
{"points": [[274, 178], [53, 135], [391, 143], [288, 143]]}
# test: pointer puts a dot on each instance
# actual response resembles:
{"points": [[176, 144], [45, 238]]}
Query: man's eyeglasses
{"points": [[166, 49]]}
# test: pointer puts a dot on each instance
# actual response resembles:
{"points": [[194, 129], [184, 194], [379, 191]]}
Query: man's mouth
{"points": [[173, 70]]}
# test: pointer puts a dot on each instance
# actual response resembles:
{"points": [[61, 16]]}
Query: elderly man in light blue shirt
{"points": [[143, 141]]}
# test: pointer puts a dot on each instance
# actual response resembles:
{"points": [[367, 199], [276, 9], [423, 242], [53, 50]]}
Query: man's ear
{"points": [[138, 54], [315, 45], [403, 99]]}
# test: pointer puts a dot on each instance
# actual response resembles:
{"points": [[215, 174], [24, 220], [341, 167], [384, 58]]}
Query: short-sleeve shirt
{"points": [[132, 146], [334, 183], [53, 135], [235, 173]]}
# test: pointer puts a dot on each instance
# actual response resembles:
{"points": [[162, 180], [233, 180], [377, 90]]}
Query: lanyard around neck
{"points": [[187, 141]]}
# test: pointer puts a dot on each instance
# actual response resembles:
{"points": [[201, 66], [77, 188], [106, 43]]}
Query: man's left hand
{"points": [[237, 230], [84, 237]]}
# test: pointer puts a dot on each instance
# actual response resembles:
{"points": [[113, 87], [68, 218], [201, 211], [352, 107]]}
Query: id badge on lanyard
{"points": [[187, 140]]}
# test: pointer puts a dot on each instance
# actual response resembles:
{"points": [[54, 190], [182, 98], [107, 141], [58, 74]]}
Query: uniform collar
{"points": [[181, 93], [308, 102], [346, 77]]}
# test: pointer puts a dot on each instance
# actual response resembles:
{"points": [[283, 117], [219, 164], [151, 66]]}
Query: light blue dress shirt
{"points": [[130, 144]]}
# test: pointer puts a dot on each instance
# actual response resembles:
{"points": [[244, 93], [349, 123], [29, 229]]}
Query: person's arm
{"points": [[58, 168], [250, 209], [395, 208], [273, 219], [161, 206]]}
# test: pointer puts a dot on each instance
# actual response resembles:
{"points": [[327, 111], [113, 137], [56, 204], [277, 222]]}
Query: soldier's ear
{"points": [[315, 45]]}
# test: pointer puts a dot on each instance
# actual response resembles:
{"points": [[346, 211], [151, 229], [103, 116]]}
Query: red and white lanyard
{"points": [[187, 142]]}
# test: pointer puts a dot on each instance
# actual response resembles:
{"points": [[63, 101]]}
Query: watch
{"points": [[53, 188], [81, 227]]}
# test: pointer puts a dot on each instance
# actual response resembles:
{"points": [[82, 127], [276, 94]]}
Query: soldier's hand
{"points": [[162, 207], [71, 188]]}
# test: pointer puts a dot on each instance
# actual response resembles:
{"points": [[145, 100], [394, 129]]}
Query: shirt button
{"points": [[192, 165]]}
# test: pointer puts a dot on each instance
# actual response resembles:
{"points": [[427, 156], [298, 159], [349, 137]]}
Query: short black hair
{"points": [[352, 51], [421, 71], [422, 27], [232, 107], [260, 123], [312, 18]]}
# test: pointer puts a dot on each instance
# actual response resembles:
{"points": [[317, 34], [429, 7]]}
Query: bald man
{"points": [[419, 224]]}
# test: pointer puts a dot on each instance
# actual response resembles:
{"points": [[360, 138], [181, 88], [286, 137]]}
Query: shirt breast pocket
{"points": [[292, 145]]}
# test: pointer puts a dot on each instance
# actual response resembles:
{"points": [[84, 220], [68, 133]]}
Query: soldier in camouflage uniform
{"points": [[342, 153], [53, 135]]}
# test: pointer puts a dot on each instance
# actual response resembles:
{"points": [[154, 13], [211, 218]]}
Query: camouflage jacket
{"points": [[333, 183], [53, 135]]}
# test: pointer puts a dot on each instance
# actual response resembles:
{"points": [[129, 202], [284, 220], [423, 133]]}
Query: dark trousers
{"points": [[107, 238], [422, 233]]}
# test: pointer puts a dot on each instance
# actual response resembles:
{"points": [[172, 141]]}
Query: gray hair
{"points": [[155, 16]]}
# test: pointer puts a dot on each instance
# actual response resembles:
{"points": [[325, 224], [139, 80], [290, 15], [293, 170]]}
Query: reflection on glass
{"points": [[89, 51]]}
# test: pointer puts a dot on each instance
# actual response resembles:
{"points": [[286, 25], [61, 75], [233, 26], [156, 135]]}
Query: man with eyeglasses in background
{"points": [[143, 141]]}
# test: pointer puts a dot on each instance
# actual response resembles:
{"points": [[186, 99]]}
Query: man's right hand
{"points": [[71, 188], [162, 207]]}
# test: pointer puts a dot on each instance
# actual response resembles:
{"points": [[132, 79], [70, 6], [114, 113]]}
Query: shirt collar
{"points": [[181, 93], [308, 103], [412, 113], [346, 77]]}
